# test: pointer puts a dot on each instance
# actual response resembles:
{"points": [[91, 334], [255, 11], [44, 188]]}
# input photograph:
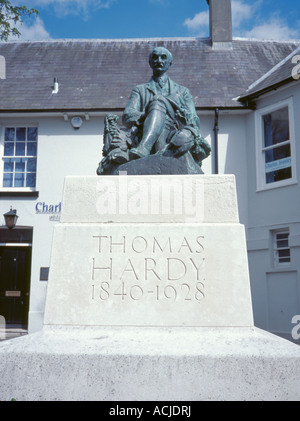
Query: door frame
{"points": [[14, 239]]}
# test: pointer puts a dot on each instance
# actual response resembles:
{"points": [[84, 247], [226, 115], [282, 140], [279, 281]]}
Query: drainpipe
{"points": [[216, 141]]}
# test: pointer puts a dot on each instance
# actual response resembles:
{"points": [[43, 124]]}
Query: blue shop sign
{"points": [[42, 207], [280, 164]]}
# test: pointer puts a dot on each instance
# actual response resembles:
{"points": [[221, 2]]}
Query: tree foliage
{"points": [[10, 16]]}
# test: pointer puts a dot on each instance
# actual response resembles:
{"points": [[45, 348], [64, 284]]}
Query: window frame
{"points": [[261, 183], [15, 125], [275, 249]]}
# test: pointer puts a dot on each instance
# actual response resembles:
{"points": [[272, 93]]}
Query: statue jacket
{"points": [[136, 109]]}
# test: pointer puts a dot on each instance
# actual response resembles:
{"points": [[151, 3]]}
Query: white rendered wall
{"points": [[61, 151], [276, 292]]}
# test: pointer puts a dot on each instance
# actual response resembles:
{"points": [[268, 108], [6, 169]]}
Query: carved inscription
{"points": [[148, 268]]}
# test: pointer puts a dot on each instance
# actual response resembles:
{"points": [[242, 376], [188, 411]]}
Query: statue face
{"points": [[160, 60]]}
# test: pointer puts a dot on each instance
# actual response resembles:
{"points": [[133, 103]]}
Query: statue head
{"points": [[160, 60]]}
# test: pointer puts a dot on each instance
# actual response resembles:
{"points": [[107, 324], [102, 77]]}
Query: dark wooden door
{"points": [[15, 264]]}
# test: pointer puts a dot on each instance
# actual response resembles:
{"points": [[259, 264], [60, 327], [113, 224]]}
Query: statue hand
{"points": [[180, 115]]}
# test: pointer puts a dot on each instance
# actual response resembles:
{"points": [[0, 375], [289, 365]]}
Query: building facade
{"points": [[54, 98], [273, 197]]}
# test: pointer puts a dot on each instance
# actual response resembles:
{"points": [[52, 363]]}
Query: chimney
{"points": [[220, 23]]}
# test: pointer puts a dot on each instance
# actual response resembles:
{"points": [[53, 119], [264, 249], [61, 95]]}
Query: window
{"points": [[275, 146], [20, 157], [281, 248]]}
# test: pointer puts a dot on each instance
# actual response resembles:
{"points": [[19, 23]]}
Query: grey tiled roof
{"points": [[277, 76], [99, 74]]}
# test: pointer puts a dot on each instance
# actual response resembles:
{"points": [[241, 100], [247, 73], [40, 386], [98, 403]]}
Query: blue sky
{"points": [[60, 19]]}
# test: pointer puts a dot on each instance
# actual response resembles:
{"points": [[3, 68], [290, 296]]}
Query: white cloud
{"points": [[69, 7], [241, 12], [274, 28], [198, 23], [32, 32]]}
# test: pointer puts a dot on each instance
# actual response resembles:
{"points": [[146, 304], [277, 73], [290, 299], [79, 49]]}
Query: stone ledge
{"points": [[149, 364]]}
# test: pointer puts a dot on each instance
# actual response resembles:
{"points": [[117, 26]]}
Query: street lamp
{"points": [[10, 218]]}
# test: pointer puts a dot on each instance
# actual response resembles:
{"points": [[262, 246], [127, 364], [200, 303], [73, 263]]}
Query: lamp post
{"points": [[11, 218]]}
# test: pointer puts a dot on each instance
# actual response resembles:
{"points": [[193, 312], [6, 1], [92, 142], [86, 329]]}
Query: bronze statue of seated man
{"points": [[155, 113]]}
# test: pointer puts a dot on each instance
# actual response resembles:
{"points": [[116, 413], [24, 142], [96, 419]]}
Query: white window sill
{"points": [[277, 185], [18, 192], [8, 189], [282, 269]]}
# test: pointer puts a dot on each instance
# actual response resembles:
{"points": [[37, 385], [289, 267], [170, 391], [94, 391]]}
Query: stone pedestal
{"points": [[149, 299]]}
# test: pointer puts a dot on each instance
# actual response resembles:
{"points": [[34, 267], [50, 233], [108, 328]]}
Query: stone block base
{"points": [[149, 364]]}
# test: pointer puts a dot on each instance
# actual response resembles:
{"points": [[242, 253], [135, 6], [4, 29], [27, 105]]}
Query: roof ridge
{"points": [[150, 39], [79, 40], [284, 41]]}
